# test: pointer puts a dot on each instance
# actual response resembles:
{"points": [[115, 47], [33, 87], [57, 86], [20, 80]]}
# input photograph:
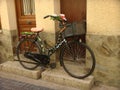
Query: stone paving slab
{"points": [[59, 76], [15, 68], [8, 84]]}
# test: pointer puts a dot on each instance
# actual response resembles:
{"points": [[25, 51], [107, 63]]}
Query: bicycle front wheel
{"points": [[28, 46], [77, 59]]}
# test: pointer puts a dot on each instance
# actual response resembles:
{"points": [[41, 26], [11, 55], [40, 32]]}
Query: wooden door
{"points": [[25, 10], [75, 11]]}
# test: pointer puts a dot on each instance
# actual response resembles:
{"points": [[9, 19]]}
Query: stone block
{"points": [[15, 68], [6, 50], [107, 52], [59, 76]]}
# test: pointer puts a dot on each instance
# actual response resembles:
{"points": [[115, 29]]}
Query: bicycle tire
{"points": [[75, 57], [23, 46]]}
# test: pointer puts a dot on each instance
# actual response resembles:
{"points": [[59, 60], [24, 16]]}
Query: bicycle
{"points": [[75, 57]]}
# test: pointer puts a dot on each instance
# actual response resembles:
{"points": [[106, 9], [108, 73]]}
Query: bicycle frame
{"points": [[53, 49]]}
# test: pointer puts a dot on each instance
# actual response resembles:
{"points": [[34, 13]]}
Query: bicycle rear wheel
{"points": [[28, 46], [77, 59]]}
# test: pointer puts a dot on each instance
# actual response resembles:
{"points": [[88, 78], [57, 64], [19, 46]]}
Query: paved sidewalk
{"points": [[10, 81], [8, 84]]}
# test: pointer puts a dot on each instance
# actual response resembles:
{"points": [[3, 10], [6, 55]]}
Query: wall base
{"points": [[107, 52], [8, 42]]}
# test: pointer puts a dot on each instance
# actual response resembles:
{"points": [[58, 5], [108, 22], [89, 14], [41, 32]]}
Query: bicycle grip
{"points": [[46, 16]]}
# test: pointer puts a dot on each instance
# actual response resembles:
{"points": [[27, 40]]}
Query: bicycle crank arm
{"points": [[31, 57]]}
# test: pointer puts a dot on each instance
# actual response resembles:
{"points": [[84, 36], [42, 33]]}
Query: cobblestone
{"points": [[8, 84], [10, 81]]}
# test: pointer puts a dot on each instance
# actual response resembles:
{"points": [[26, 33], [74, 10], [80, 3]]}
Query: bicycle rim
{"points": [[27, 45], [78, 60]]}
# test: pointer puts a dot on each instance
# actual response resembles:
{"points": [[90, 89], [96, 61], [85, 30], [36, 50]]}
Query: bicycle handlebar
{"points": [[52, 16], [61, 18], [46, 16]]}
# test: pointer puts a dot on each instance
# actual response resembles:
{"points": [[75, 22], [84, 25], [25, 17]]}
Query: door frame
{"points": [[18, 7]]}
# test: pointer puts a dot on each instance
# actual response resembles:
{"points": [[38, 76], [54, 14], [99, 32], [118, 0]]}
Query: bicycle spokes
{"points": [[27, 61], [77, 60]]}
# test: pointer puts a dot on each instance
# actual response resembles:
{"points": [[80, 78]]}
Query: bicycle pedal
{"points": [[43, 68], [52, 65]]}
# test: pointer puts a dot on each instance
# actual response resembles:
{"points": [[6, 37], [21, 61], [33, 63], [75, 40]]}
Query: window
{"points": [[28, 7]]}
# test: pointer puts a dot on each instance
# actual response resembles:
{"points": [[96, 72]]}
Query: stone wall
{"points": [[8, 42], [107, 53], [103, 36]]}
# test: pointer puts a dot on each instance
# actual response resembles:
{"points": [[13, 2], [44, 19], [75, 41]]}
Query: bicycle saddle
{"points": [[36, 30]]}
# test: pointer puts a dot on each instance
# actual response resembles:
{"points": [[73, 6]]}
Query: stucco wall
{"points": [[103, 36], [103, 17], [8, 37], [43, 8], [8, 16]]}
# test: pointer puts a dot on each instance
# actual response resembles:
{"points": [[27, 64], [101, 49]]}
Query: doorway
{"points": [[75, 11], [25, 10]]}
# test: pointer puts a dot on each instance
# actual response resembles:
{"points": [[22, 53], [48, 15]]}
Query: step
{"points": [[59, 76], [14, 67]]}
